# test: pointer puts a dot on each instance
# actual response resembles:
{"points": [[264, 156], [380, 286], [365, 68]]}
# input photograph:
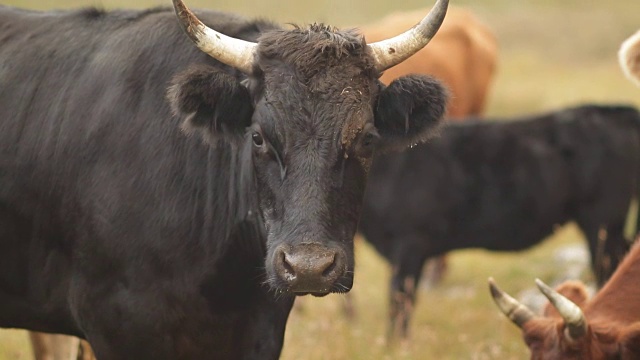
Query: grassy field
{"points": [[552, 54], [456, 320]]}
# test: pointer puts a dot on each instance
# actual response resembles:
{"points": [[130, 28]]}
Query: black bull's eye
{"points": [[257, 139]]}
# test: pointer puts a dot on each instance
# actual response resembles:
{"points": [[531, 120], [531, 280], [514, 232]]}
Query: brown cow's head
{"points": [[563, 332], [309, 114]]}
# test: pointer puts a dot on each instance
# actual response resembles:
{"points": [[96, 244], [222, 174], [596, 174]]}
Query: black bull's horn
{"points": [[239, 54]]}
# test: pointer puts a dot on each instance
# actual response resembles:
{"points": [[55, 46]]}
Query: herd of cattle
{"points": [[167, 189]]}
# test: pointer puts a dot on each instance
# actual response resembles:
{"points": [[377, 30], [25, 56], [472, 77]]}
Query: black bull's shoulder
{"points": [[118, 226]]}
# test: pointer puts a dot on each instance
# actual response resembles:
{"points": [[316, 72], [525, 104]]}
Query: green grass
{"points": [[552, 54]]}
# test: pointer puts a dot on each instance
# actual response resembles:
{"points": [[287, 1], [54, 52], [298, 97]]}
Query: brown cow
{"points": [[463, 55], [629, 56], [606, 327]]}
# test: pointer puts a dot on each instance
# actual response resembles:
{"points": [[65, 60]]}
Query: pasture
{"points": [[552, 54]]}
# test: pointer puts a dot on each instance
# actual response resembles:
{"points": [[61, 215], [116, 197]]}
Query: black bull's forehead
{"points": [[318, 84], [316, 48], [333, 110]]}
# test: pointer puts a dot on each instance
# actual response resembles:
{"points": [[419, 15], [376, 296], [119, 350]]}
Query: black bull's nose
{"points": [[309, 268]]}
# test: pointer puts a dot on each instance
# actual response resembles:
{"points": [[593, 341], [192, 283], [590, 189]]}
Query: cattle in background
{"points": [[463, 55], [606, 327], [504, 185], [629, 57], [118, 227]]}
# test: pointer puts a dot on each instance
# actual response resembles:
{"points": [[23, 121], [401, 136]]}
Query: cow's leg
{"points": [[615, 248], [596, 237], [86, 353], [607, 247], [406, 275], [53, 346], [65, 347], [40, 345], [434, 270]]}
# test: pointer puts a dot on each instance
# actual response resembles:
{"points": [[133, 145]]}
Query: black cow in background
{"points": [[118, 227], [504, 186]]}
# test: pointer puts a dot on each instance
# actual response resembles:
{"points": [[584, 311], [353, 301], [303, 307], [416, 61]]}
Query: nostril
{"points": [[289, 272], [330, 267]]}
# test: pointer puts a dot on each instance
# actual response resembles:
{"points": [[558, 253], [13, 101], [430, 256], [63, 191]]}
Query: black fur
{"points": [[211, 100], [117, 227], [419, 101]]}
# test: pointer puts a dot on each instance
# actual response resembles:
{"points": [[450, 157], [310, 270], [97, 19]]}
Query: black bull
{"points": [[504, 186], [118, 227]]}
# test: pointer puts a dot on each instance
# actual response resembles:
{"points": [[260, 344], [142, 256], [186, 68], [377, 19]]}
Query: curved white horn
{"points": [[391, 52], [236, 53], [574, 319], [512, 308]]}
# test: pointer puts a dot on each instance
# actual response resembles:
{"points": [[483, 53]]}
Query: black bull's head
{"points": [[312, 112]]}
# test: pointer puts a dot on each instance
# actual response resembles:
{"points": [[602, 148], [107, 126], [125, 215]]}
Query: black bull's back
{"points": [[505, 186]]}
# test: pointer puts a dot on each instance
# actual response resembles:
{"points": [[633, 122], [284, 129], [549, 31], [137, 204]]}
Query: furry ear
{"points": [[210, 100], [409, 110]]}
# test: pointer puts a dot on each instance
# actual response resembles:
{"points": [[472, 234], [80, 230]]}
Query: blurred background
{"points": [[552, 54]]}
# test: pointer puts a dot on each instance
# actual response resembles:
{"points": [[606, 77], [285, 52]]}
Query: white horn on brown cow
{"points": [[391, 52], [236, 53], [512, 308], [574, 319]]}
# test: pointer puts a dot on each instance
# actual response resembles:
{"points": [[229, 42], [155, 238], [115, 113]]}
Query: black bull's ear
{"points": [[409, 110], [211, 101]]}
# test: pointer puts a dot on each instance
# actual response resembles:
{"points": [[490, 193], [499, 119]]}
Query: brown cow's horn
{"points": [[574, 319], [391, 52], [233, 52], [512, 308]]}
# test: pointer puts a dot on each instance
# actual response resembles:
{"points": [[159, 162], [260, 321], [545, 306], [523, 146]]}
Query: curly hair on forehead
{"points": [[316, 46]]}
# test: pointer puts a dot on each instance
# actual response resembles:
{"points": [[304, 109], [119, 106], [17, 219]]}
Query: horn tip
{"points": [[492, 283], [493, 288], [188, 21], [541, 285]]}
